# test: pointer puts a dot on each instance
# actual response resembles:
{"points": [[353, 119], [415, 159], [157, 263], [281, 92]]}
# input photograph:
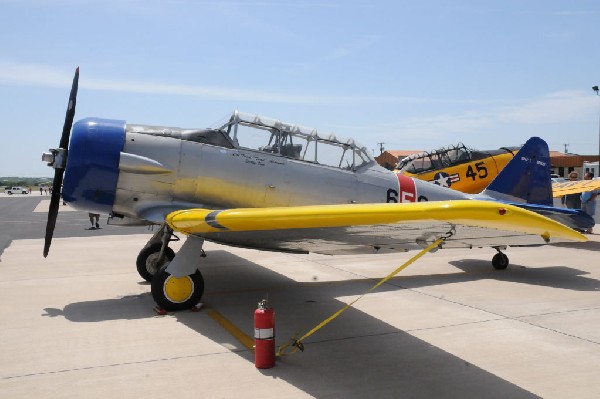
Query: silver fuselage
{"points": [[211, 176]]}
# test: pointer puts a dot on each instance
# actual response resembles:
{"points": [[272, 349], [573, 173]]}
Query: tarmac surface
{"points": [[81, 324]]}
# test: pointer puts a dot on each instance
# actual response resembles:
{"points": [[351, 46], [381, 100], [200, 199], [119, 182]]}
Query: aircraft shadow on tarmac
{"points": [[333, 364], [589, 245], [552, 276]]}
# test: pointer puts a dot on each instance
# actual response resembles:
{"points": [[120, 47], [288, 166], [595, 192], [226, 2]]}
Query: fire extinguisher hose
{"points": [[295, 343]]}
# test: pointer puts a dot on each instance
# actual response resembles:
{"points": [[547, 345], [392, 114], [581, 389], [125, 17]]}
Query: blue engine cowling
{"points": [[92, 168]]}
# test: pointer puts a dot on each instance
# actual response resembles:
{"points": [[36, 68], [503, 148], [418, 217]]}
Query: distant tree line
{"points": [[25, 181]]}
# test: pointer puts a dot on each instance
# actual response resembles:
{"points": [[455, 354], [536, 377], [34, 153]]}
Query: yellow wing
{"points": [[372, 227], [574, 187]]}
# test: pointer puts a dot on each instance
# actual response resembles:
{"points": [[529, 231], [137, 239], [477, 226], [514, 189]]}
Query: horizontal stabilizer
{"points": [[574, 218]]}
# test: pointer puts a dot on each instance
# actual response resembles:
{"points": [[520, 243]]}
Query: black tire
{"points": [[173, 294], [500, 261], [146, 261]]}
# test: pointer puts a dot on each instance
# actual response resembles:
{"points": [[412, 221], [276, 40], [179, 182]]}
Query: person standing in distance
{"points": [[588, 200]]}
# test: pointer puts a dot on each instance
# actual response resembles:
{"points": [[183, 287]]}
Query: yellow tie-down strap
{"points": [[295, 343]]}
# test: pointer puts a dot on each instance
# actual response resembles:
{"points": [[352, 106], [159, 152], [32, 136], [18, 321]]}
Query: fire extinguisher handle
{"points": [[263, 304]]}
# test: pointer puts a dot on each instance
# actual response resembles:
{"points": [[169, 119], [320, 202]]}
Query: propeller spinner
{"points": [[57, 158]]}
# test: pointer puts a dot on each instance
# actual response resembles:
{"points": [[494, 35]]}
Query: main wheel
{"points": [[146, 262], [177, 293], [500, 261]]}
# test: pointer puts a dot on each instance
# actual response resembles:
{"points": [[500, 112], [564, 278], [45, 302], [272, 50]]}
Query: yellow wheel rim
{"points": [[178, 289]]}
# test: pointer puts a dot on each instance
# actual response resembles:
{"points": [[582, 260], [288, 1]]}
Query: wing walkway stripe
{"points": [[211, 220]]}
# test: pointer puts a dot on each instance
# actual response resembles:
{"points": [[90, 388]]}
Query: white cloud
{"points": [[33, 75], [465, 122], [12, 73], [351, 48], [559, 107], [554, 108], [490, 126], [475, 116]]}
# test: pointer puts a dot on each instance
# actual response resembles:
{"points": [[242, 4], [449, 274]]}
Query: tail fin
{"points": [[526, 178]]}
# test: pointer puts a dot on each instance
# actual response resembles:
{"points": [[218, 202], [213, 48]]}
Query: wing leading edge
{"points": [[363, 228]]}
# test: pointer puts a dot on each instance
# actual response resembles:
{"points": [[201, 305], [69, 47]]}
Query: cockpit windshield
{"points": [[442, 158], [296, 142]]}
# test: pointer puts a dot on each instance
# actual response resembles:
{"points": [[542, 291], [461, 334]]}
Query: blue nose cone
{"points": [[92, 170]]}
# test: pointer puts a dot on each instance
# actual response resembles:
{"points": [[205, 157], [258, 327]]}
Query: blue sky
{"points": [[411, 74]]}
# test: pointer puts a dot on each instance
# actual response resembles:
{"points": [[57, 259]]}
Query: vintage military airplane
{"points": [[459, 167], [260, 183]]}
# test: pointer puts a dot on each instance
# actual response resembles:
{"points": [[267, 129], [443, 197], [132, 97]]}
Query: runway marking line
{"points": [[238, 334]]}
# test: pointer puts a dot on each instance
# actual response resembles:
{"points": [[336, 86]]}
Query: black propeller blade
{"points": [[59, 163]]}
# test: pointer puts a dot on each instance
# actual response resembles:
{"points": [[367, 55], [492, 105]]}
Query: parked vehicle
{"points": [[16, 190]]}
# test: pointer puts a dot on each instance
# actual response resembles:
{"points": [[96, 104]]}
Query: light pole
{"points": [[595, 88]]}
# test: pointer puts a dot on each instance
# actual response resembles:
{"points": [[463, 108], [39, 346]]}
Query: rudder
{"points": [[526, 178]]}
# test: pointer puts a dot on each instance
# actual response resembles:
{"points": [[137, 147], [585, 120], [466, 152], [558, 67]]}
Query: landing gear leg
{"points": [[500, 260], [179, 285], [156, 253]]}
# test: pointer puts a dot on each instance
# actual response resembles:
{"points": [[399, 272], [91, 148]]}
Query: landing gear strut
{"points": [[500, 260], [156, 253]]}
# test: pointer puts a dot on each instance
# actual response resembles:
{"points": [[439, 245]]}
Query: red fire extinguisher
{"points": [[264, 336]]}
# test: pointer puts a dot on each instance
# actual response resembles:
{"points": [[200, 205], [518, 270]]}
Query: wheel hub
{"points": [[152, 263], [178, 289]]}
